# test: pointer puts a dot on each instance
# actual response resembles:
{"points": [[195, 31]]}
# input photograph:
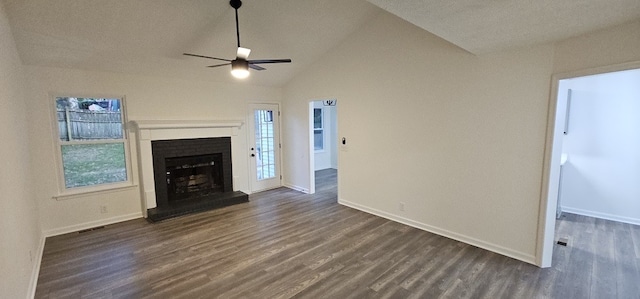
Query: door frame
{"points": [[312, 156], [551, 162], [249, 121]]}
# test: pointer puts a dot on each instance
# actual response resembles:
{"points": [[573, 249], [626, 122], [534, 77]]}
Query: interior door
{"points": [[264, 147]]}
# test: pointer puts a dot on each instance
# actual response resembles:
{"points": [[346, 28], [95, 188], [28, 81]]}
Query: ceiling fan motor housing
{"points": [[240, 63], [240, 66]]}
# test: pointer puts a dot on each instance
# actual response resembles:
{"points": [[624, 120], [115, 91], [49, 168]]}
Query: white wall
{"points": [[327, 158], [20, 237], [147, 98], [458, 138], [611, 49], [602, 174]]}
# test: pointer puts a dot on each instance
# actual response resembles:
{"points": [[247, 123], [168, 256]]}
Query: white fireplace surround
{"points": [[150, 130]]}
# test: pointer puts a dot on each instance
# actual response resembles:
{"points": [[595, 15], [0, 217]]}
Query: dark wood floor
{"points": [[287, 244]]}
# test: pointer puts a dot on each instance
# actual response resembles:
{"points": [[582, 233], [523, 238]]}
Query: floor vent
{"points": [[563, 241], [90, 229]]}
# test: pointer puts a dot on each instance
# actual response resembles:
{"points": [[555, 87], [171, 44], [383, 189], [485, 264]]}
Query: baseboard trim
{"points": [[600, 215], [35, 272], [297, 188], [91, 224], [527, 258]]}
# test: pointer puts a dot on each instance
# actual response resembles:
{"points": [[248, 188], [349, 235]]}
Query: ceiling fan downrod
{"points": [[236, 4], [241, 65]]}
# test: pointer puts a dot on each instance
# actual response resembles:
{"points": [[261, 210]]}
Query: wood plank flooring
{"points": [[285, 244]]}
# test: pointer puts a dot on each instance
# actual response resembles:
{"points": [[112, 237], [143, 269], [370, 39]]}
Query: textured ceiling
{"points": [[148, 36], [481, 26]]}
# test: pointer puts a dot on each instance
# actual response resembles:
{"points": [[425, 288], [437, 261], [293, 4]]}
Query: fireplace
{"points": [[192, 175]]}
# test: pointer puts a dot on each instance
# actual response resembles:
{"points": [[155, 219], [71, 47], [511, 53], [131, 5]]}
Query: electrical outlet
{"points": [[103, 209], [401, 206]]}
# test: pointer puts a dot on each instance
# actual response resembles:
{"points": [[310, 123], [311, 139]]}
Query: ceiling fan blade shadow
{"points": [[208, 57], [217, 65], [261, 61], [256, 67]]}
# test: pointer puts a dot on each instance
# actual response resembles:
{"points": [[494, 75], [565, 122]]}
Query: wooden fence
{"points": [[89, 125]]}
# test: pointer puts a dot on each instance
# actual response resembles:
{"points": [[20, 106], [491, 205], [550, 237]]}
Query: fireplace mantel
{"points": [[150, 130], [184, 124]]}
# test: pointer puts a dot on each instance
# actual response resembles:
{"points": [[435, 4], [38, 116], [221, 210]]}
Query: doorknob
{"points": [[253, 155]]}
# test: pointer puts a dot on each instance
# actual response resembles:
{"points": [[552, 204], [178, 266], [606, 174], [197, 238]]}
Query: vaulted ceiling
{"points": [[481, 26], [148, 37]]}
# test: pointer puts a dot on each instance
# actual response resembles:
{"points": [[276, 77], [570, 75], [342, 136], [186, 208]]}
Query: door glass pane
{"points": [[317, 118], [318, 140], [265, 145]]}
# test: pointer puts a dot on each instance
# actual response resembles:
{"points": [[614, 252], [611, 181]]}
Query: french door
{"points": [[264, 147]]}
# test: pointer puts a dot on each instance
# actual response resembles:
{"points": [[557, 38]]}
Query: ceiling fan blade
{"points": [[217, 65], [261, 61], [256, 67], [209, 57], [243, 53]]}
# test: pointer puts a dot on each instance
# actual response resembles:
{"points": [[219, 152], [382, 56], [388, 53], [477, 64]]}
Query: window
{"points": [[92, 142], [318, 131], [265, 144]]}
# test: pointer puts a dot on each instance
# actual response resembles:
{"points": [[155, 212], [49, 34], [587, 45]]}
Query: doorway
{"points": [[264, 147], [323, 143], [583, 124]]}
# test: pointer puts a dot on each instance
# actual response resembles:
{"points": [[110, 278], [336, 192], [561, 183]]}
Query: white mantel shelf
{"points": [[184, 124]]}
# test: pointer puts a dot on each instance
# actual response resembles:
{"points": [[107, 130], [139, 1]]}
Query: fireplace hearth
{"points": [[192, 175]]}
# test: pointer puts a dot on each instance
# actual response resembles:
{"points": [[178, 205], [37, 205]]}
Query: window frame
{"points": [[63, 191], [321, 130]]}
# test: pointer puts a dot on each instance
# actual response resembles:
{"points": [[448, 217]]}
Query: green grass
{"points": [[93, 164]]}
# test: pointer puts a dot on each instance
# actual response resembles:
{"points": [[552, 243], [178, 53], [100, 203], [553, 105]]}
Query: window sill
{"points": [[71, 195]]}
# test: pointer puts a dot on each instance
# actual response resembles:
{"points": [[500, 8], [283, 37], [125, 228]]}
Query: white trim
{"points": [[311, 150], [91, 224], [150, 130], [528, 258], [82, 193], [606, 216], [254, 184], [297, 188], [184, 124], [63, 191], [548, 198], [35, 272]]}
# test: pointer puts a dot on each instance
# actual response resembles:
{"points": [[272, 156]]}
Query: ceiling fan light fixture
{"points": [[240, 68]]}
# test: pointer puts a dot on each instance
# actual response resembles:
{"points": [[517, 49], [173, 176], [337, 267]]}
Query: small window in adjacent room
{"points": [[318, 131], [92, 143]]}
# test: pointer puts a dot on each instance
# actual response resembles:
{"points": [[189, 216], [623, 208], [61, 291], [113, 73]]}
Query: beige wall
{"points": [[147, 98], [607, 47], [612, 49], [457, 138], [20, 235]]}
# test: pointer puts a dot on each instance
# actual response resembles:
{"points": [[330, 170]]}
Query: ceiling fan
{"points": [[241, 65]]}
